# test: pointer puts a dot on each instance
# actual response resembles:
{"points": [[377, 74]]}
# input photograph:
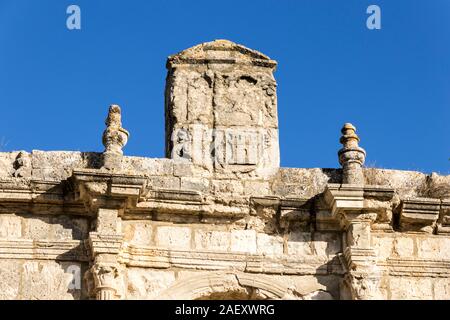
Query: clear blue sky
{"points": [[393, 83]]}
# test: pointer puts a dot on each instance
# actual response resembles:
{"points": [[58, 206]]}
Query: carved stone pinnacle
{"points": [[351, 156], [114, 139]]}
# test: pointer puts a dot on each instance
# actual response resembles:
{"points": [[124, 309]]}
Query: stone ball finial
{"points": [[351, 156]]}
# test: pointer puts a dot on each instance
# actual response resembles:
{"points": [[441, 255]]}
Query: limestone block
{"points": [[383, 287], [403, 246], [138, 232], [38, 228], [148, 166], [428, 248], [269, 245], [107, 221], [411, 288], [55, 165], [399, 246], [383, 246], [183, 169], [41, 227], [406, 183], [7, 163], [61, 159], [147, 284], [45, 280], [243, 241], [227, 186], [327, 243], [9, 279], [257, 188], [47, 174], [442, 289], [212, 240], [198, 184], [358, 235], [302, 182], [299, 244], [10, 226], [164, 182], [437, 186], [173, 237], [433, 247]]}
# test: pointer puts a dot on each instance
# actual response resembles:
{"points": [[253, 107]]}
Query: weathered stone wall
{"points": [[417, 265], [219, 219], [164, 246]]}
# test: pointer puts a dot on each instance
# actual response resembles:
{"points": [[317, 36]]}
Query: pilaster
{"points": [[360, 209], [107, 195]]}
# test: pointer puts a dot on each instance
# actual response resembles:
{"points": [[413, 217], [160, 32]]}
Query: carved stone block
{"points": [[221, 108], [419, 214]]}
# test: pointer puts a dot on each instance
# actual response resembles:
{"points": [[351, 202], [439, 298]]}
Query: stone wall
{"points": [[218, 218]]}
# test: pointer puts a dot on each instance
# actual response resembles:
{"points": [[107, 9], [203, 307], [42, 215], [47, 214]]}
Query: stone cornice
{"points": [[348, 197], [37, 196], [419, 214], [160, 258], [107, 189], [220, 52], [104, 243], [87, 190], [415, 267], [357, 202], [60, 250]]}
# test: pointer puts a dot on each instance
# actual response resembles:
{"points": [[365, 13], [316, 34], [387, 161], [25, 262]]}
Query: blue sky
{"points": [[393, 84]]}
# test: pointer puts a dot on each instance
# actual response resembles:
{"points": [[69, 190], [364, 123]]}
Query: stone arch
{"points": [[203, 285]]}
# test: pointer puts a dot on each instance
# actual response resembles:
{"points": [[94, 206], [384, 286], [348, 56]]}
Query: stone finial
{"points": [[351, 156], [114, 139]]}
